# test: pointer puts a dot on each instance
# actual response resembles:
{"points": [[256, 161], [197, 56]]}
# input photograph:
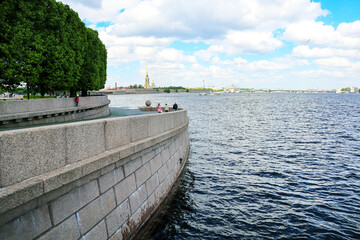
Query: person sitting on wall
{"points": [[77, 99], [159, 108], [175, 106], [166, 108]]}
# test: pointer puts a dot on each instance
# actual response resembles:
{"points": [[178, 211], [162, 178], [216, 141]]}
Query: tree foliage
{"points": [[45, 46]]}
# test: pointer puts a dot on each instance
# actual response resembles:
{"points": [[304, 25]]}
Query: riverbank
{"points": [[147, 91]]}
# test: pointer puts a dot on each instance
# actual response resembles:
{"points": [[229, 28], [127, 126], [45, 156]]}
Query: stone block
{"points": [[157, 193], [117, 235], [169, 121], [169, 166], [172, 148], [69, 203], [138, 198], [122, 162], [28, 226], [19, 194], [118, 217], [125, 188], [117, 132], [151, 203], [165, 155], [114, 154], [97, 233], [158, 149], [127, 151], [68, 229], [163, 172], [142, 174], [18, 211], [60, 177], [147, 156], [27, 153], [135, 220], [139, 128], [84, 140], [156, 124], [95, 163], [107, 169], [131, 166], [92, 213], [110, 179], [152, 183], [155, 163], [168, 183], [144, 144]]}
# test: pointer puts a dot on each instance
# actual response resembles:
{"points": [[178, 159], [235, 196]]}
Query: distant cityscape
{"points": [[228, 89], [232, 88]]}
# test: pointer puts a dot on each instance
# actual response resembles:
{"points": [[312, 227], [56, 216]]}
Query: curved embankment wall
{"points": [[100, 179], [24, 112]]}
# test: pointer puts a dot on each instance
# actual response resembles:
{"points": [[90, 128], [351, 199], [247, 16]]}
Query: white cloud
{"points": [[243, 38], [307, 52], [318, 34], [350, 29], [190, 19], [252, 42], [337, 62], [320, 73]]}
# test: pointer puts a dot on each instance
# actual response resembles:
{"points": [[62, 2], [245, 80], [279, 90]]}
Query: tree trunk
{"points": [[72, 92], [27, 89], [84, 92]]}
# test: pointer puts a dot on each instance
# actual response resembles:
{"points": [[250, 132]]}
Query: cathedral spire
{"points": [[147, 80]]}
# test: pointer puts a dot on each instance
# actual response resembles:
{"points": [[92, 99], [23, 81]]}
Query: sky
{"points": [[273, 44]]}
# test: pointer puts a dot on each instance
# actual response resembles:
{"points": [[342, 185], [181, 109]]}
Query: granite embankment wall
{"points": [[99, 179], [24, 112]]}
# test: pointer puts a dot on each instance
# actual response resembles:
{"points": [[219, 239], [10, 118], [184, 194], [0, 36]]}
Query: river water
{"points": [[265, 166]]}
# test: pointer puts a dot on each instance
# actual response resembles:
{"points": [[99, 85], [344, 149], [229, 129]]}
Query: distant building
{"points": [[338, 90], [153, 84], [354, 89]]}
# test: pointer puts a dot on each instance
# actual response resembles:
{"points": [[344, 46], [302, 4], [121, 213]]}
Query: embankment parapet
{"points": [[38, 105], [39, 111], [111, 173]]}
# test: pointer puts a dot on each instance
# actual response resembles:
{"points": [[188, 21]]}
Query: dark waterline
{"points": [[266, 166]]}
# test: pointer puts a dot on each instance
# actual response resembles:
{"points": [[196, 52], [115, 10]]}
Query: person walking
{"points": [[175, 106], [166, 108], [77, 99], [159, 108]]}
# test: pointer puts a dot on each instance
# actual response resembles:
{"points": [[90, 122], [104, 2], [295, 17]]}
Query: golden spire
{"points": [[147, 80]]}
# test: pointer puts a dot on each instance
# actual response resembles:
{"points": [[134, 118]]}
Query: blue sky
{"points": [[283, 44]]}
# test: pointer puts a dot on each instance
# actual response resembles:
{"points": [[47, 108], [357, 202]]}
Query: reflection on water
{"points": [[176, 211]]}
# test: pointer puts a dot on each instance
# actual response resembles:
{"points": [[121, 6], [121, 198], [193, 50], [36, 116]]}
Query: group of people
{"points": [[10, 95], [166, 108]]}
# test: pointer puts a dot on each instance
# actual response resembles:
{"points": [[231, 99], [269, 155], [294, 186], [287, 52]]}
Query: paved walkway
{"points": [[114, 112]]}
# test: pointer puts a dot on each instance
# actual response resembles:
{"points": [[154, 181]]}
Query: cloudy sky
{"points": [[277, 44]]}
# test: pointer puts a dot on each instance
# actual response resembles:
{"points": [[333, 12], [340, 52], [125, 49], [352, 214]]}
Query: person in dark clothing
{"points": [[175, 106]]}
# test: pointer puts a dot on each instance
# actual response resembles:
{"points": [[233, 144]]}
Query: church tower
{"points": [[147, 80]]}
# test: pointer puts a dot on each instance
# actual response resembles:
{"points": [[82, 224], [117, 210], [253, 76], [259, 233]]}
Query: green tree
{"points": [[45, 46], [93, 75], [21, 47]]}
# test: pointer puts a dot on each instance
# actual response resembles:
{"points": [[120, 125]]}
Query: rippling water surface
{"points": [[265, 166]]}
